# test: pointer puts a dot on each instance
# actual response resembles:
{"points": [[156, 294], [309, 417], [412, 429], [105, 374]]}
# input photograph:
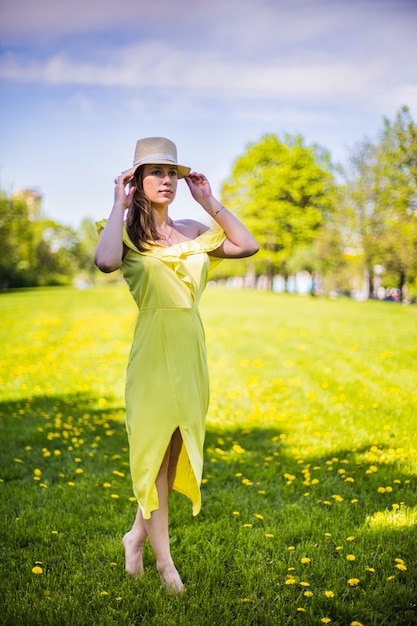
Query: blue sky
{"points": [[82, 80]]}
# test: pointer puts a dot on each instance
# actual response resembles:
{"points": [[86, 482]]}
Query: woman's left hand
{"points": [[199, 186]]}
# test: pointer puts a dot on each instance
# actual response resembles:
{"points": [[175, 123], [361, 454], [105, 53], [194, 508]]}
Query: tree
{"points": [[16, 243], [361, 216], [88, 238], [57, 252], [34, 251], [282, 190], [398, 157], [381, 201]]}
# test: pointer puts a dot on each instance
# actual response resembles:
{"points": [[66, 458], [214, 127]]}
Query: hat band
{"points": [[154, 158]]}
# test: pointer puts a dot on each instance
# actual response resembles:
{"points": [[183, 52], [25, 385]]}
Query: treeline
{"points": [[37, 251], [351, 228]]}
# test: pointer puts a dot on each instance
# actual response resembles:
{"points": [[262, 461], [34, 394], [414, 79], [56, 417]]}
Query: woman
{"points": [[165, 264]]}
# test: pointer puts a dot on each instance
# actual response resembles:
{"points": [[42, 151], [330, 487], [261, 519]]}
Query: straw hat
{"points": [[158, 151]]}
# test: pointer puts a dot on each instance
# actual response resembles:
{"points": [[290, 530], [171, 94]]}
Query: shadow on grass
{"points": [[66, 503]]}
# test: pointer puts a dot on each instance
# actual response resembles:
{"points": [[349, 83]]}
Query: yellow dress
{"points": [[167, 384]]}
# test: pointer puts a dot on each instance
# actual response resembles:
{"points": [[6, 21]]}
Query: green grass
{"points": [[310, 458]]}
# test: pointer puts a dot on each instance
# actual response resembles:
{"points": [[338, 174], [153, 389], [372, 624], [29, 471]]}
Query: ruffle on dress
{"points": [[172, 255]]}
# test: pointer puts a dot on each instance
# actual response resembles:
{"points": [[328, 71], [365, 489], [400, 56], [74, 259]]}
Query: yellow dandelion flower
{"points": [[339, 548], [381, 490], [356, 624], [395, 507], [104, 593], [351, 557], [54, 532], [118, 598], [259, 516], [327, 534], [268, 535], [329, 594], [236, 513], [71, 484], [247, 482], [246, 600], [115, 496], [350, 538], [37, 472], [399, 560], [291, 548], [354, 501], [79, 470], [238, 449], [247, 525], [390, 578], [132, 499], [300, 609], [308, 594], [326, 620], [353, 582], [370, 569], [401, 567], [290, 581], [106, 485], [303, 583], [305, 560], [37, 570]]}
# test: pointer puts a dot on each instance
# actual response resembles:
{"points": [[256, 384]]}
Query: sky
{"points": [[82, 80]]}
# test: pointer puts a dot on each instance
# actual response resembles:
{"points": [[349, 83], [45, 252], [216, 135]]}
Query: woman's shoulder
{"points": [[190, 228]]}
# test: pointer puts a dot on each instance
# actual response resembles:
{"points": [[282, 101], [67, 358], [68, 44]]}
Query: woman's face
{"points": [[160, 183]]}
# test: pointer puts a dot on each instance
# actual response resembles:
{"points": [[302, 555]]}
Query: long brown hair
{"points": [[139, 222]]}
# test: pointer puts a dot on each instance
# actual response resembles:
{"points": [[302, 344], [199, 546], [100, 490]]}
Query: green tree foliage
{"points": [[397, 153], [16, 243], [87, 234], [283, 191], [379, 220], [34, 251]]}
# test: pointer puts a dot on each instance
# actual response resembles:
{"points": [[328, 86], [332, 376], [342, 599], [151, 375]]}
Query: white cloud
{"points": [[159, 66]]}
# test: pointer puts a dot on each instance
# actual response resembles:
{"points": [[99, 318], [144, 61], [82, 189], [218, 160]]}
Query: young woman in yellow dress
{"points": [[165, 265]]}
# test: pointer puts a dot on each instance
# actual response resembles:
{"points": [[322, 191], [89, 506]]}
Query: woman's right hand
{"points": [[123, 197]]}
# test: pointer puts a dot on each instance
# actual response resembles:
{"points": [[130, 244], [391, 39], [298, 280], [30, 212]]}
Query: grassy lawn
{"points": [[309, 496]]}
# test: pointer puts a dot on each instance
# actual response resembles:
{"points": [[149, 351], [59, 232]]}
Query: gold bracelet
{"points": [[218, 211]]}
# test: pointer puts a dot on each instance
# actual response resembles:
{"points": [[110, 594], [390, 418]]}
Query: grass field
{"points": [[309, 493]]}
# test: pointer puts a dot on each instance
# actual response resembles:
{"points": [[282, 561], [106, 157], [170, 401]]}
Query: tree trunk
{"points": [[402, 284]]}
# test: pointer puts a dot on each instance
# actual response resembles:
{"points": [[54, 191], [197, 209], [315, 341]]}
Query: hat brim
{"points": [[182, 170]]}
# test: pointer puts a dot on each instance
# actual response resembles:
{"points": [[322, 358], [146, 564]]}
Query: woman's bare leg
{"points": [[157, 525], [133, 543], [156, 528]]}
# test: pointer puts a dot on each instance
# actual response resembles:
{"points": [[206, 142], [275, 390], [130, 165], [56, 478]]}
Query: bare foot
{"points": [[133, 554], [171, 579]]}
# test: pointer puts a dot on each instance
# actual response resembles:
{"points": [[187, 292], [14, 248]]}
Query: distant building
{"points": [[33, 199]]}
